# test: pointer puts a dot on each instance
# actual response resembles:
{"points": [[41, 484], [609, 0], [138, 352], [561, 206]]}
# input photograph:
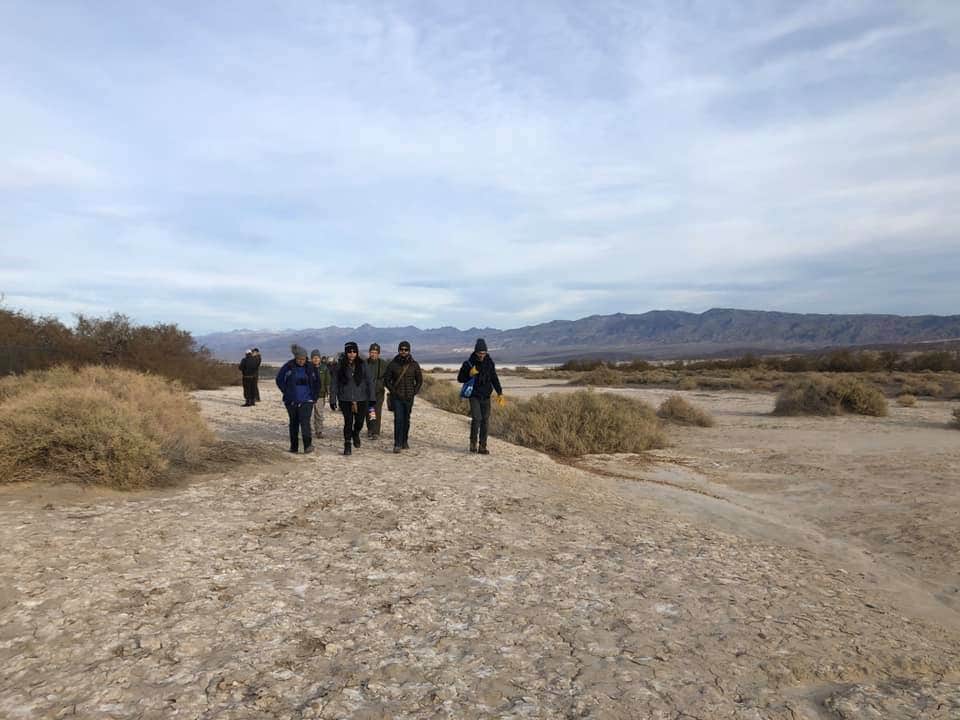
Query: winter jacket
{"points": [[378, 373], [486, 382], [298, 384], [409, 385], [250, 365], [324, 373], [351, 391]]}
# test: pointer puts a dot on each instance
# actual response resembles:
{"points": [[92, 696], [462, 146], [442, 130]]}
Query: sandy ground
{"points": [[765, 568]]}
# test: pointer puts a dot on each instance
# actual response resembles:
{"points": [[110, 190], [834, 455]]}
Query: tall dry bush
{"points": [[677, 410], [444, 394], [579, 423], [97, 425], [601, 376], [906, 400], [815, 395]]}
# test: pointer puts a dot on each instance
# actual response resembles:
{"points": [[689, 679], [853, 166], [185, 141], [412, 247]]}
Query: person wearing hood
{"points": [[250, 371], [404, 380], [320, 365], [351, 387], [481, 368], [377, 367], [300, 384]]}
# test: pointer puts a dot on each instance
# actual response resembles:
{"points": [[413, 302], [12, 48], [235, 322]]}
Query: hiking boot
{"points": [[356, 439], [396, 449], [473, 446], [293, 450], [483, 450], [308, 449], [347, 449], [406, 446]]}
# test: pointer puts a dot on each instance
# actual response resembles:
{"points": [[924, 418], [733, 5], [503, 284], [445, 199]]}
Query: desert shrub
{"points": [[98, 425], [601, 376], [582, 364], [956, 417], [929, 389], [906, 400], [687, 383], [579, 423], [822, 396], [654, 377], [444, 395], [677, 410]]}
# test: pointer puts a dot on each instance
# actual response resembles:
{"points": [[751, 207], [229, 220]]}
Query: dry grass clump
{"points": [[579, 423], [445, 395], [677, 410], [602, 376], [956, 418], [906, 400], [98, 425], [823, 396]]}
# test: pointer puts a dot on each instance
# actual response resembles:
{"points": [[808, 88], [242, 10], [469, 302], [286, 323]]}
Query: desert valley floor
{"points": [[789, 568]]}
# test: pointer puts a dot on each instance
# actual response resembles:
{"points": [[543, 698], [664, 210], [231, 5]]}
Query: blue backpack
{"points": [[467, 390]]}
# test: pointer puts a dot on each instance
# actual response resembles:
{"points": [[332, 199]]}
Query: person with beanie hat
{"points": [[377, 368], [404, 380], [300, 384], [480, 368], [351, 387], [317, 360], [249, 372]]}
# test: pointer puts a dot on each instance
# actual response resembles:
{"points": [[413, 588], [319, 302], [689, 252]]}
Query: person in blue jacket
{"points": [[300, 384], [481, 367]]}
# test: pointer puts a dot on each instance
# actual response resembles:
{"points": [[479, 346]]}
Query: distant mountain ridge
{"points": [[654, 334]]}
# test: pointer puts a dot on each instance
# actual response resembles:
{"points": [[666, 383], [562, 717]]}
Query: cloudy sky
{"points": [[278, 163]]}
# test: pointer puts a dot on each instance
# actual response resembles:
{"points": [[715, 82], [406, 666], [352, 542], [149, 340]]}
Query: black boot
{"points": [[473, 446], [347, 448], [356, 439], [406, 445], [396, 448], [483, 450]]}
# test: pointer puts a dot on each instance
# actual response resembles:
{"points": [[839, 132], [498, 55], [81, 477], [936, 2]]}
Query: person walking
{"points": [[256, 377], [320, 365], [300, 384], [404, 380], [352, 389], [377, 368], [481, 368], [249, 371]]}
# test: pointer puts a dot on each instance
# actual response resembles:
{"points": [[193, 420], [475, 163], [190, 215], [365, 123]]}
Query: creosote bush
{"points": [[830, 396], [445, 395], [906, 400], [97, 425], [601, 376], [677, 410], [579, 423]]}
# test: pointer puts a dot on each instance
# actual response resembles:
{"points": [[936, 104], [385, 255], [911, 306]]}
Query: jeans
{"points": [[353, 421], [300, 423], [402, 409], [479, 419]]}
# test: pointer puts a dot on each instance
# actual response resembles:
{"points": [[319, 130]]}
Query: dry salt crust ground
{"points": [[439, 584]]}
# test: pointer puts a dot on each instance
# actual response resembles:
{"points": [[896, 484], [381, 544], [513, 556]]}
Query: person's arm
{"points": [[333, 387], [464, 373], [417, 377], [494, 379], [388, 381], [281, 380]]}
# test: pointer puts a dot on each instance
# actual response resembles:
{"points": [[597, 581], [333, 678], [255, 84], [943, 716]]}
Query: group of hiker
{"points": [[358, 388]]}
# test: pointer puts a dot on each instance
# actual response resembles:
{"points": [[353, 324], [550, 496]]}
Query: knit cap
{"points": [[481, 345], [351, 346], [298, 351]]}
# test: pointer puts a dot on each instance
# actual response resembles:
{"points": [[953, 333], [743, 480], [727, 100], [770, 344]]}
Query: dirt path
{"points": [[434, 584]]}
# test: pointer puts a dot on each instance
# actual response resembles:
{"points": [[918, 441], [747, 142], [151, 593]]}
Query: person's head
{"points": [[249, 352], [315, 357], [374, 351], [256, 351], [350, 351], [324, 359], [404, 348], [480, 348], [299, 354]]}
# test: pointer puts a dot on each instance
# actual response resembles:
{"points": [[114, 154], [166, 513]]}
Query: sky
{"points": [[295, 164]]}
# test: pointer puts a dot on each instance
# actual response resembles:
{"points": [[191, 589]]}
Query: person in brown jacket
{"points": [[404, 380]]}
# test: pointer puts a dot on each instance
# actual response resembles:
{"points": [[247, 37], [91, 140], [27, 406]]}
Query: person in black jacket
{"points": [[250, 370], [352, 389], [480, 367], [404, 380], [300, 384]]}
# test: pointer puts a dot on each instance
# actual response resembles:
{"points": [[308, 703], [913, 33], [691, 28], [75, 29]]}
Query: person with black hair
{"points": [[480, 367], [300, 384], [404, 380], [377, 367], [250, 371], [352, 389]]}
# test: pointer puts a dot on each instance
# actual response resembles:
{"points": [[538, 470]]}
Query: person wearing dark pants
{"points": [[404, 380], [300, 385], [352, 389], [250, 370], [377, 367], [480, 368]]}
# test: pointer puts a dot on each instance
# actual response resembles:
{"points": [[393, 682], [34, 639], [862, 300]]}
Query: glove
{"points": [[501, 401], [474, 371]]}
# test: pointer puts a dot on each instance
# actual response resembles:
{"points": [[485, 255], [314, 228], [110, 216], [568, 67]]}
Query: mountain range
{"points": [[659, 334]]}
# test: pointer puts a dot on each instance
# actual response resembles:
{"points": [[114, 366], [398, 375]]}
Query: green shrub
{"points": [[823, 396], [676, 409], [97, 425], [579, 423]]}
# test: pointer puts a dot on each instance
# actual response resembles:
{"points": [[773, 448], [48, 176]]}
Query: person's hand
{"points": [[501, 400], [474, 371]]}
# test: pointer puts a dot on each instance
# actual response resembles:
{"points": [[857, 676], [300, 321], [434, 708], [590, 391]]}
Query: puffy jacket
{"points": [[409, 385], [287, 382], [351, 390], [487, 380]]}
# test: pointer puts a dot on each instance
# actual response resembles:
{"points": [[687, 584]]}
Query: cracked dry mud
{"points": [[439, 584]]}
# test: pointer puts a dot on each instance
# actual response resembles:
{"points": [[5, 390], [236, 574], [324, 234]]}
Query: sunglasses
{"points": [[351, 352], [404, 350]]}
